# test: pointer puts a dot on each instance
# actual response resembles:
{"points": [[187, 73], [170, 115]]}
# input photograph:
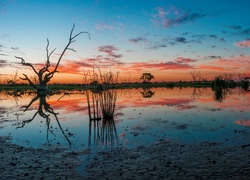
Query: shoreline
{"points": [[104, 86], [163, 160]]}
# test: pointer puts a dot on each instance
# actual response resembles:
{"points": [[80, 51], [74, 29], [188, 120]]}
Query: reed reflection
{"points": [[101, 107], [45, 111]]}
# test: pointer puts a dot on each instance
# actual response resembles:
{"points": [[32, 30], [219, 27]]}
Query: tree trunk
{"points": [[42, 89]]}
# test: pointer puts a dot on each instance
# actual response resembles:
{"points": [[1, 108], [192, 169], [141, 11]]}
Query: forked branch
{"points": [[71, 40], [27, 79], [48, 54], [31, 102], [27, 64]]}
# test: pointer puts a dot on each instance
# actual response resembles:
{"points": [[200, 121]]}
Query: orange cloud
{"points": [[71, 71], [160, 66], [184, 60], [77, 66], [74, 67], [237, 64], [244, 44], [207, 67], [232, 63]]}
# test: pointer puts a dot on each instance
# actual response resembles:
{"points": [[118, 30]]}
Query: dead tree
{"points": [[228, 77], [44, 74], [196, 75]]}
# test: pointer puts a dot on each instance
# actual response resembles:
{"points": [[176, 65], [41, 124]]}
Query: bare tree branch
{"points": [[71, 40], [196, 75], [51, 111], [26, 64], [48, 54], [31, 102], [27, 121], [27, 79], [71, 49]]}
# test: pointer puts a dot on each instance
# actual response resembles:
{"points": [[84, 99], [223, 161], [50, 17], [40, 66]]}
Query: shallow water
{"points": [[140, 117]]}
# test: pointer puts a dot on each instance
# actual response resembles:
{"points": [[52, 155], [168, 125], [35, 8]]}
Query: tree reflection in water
{"points": [[147, 93], [245, 84], [44, 110], [197, 93], [220, 94], [101, 107]]}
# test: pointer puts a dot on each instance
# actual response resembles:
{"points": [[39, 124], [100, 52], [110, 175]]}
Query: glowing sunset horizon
{"points": [[167, 39]]}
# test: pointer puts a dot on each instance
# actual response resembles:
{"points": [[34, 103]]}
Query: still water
{"points": [[127, 117]]}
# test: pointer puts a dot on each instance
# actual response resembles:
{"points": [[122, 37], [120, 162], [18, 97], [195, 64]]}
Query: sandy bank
{"points": [[160, 161], [18, 162]]}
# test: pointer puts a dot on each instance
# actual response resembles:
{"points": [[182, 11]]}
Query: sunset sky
{"points": [[168, 38]]}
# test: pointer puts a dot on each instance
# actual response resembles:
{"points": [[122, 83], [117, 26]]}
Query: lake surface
{"points": [[128, 118]]}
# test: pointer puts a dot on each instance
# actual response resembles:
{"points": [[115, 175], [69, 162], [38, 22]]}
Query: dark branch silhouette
{"points": [[44, 110], [245, 84], [196, 76], [44, 75]]}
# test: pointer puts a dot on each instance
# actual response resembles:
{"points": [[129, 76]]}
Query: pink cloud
{"points": [[166, 23], [138, 40], [244, 44], [104, 26], [161, 12], [208, 67], [109, 50], [161, 66], [237, 64], [171, 17], [76, 66], [227, 62], [184, 60]]}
